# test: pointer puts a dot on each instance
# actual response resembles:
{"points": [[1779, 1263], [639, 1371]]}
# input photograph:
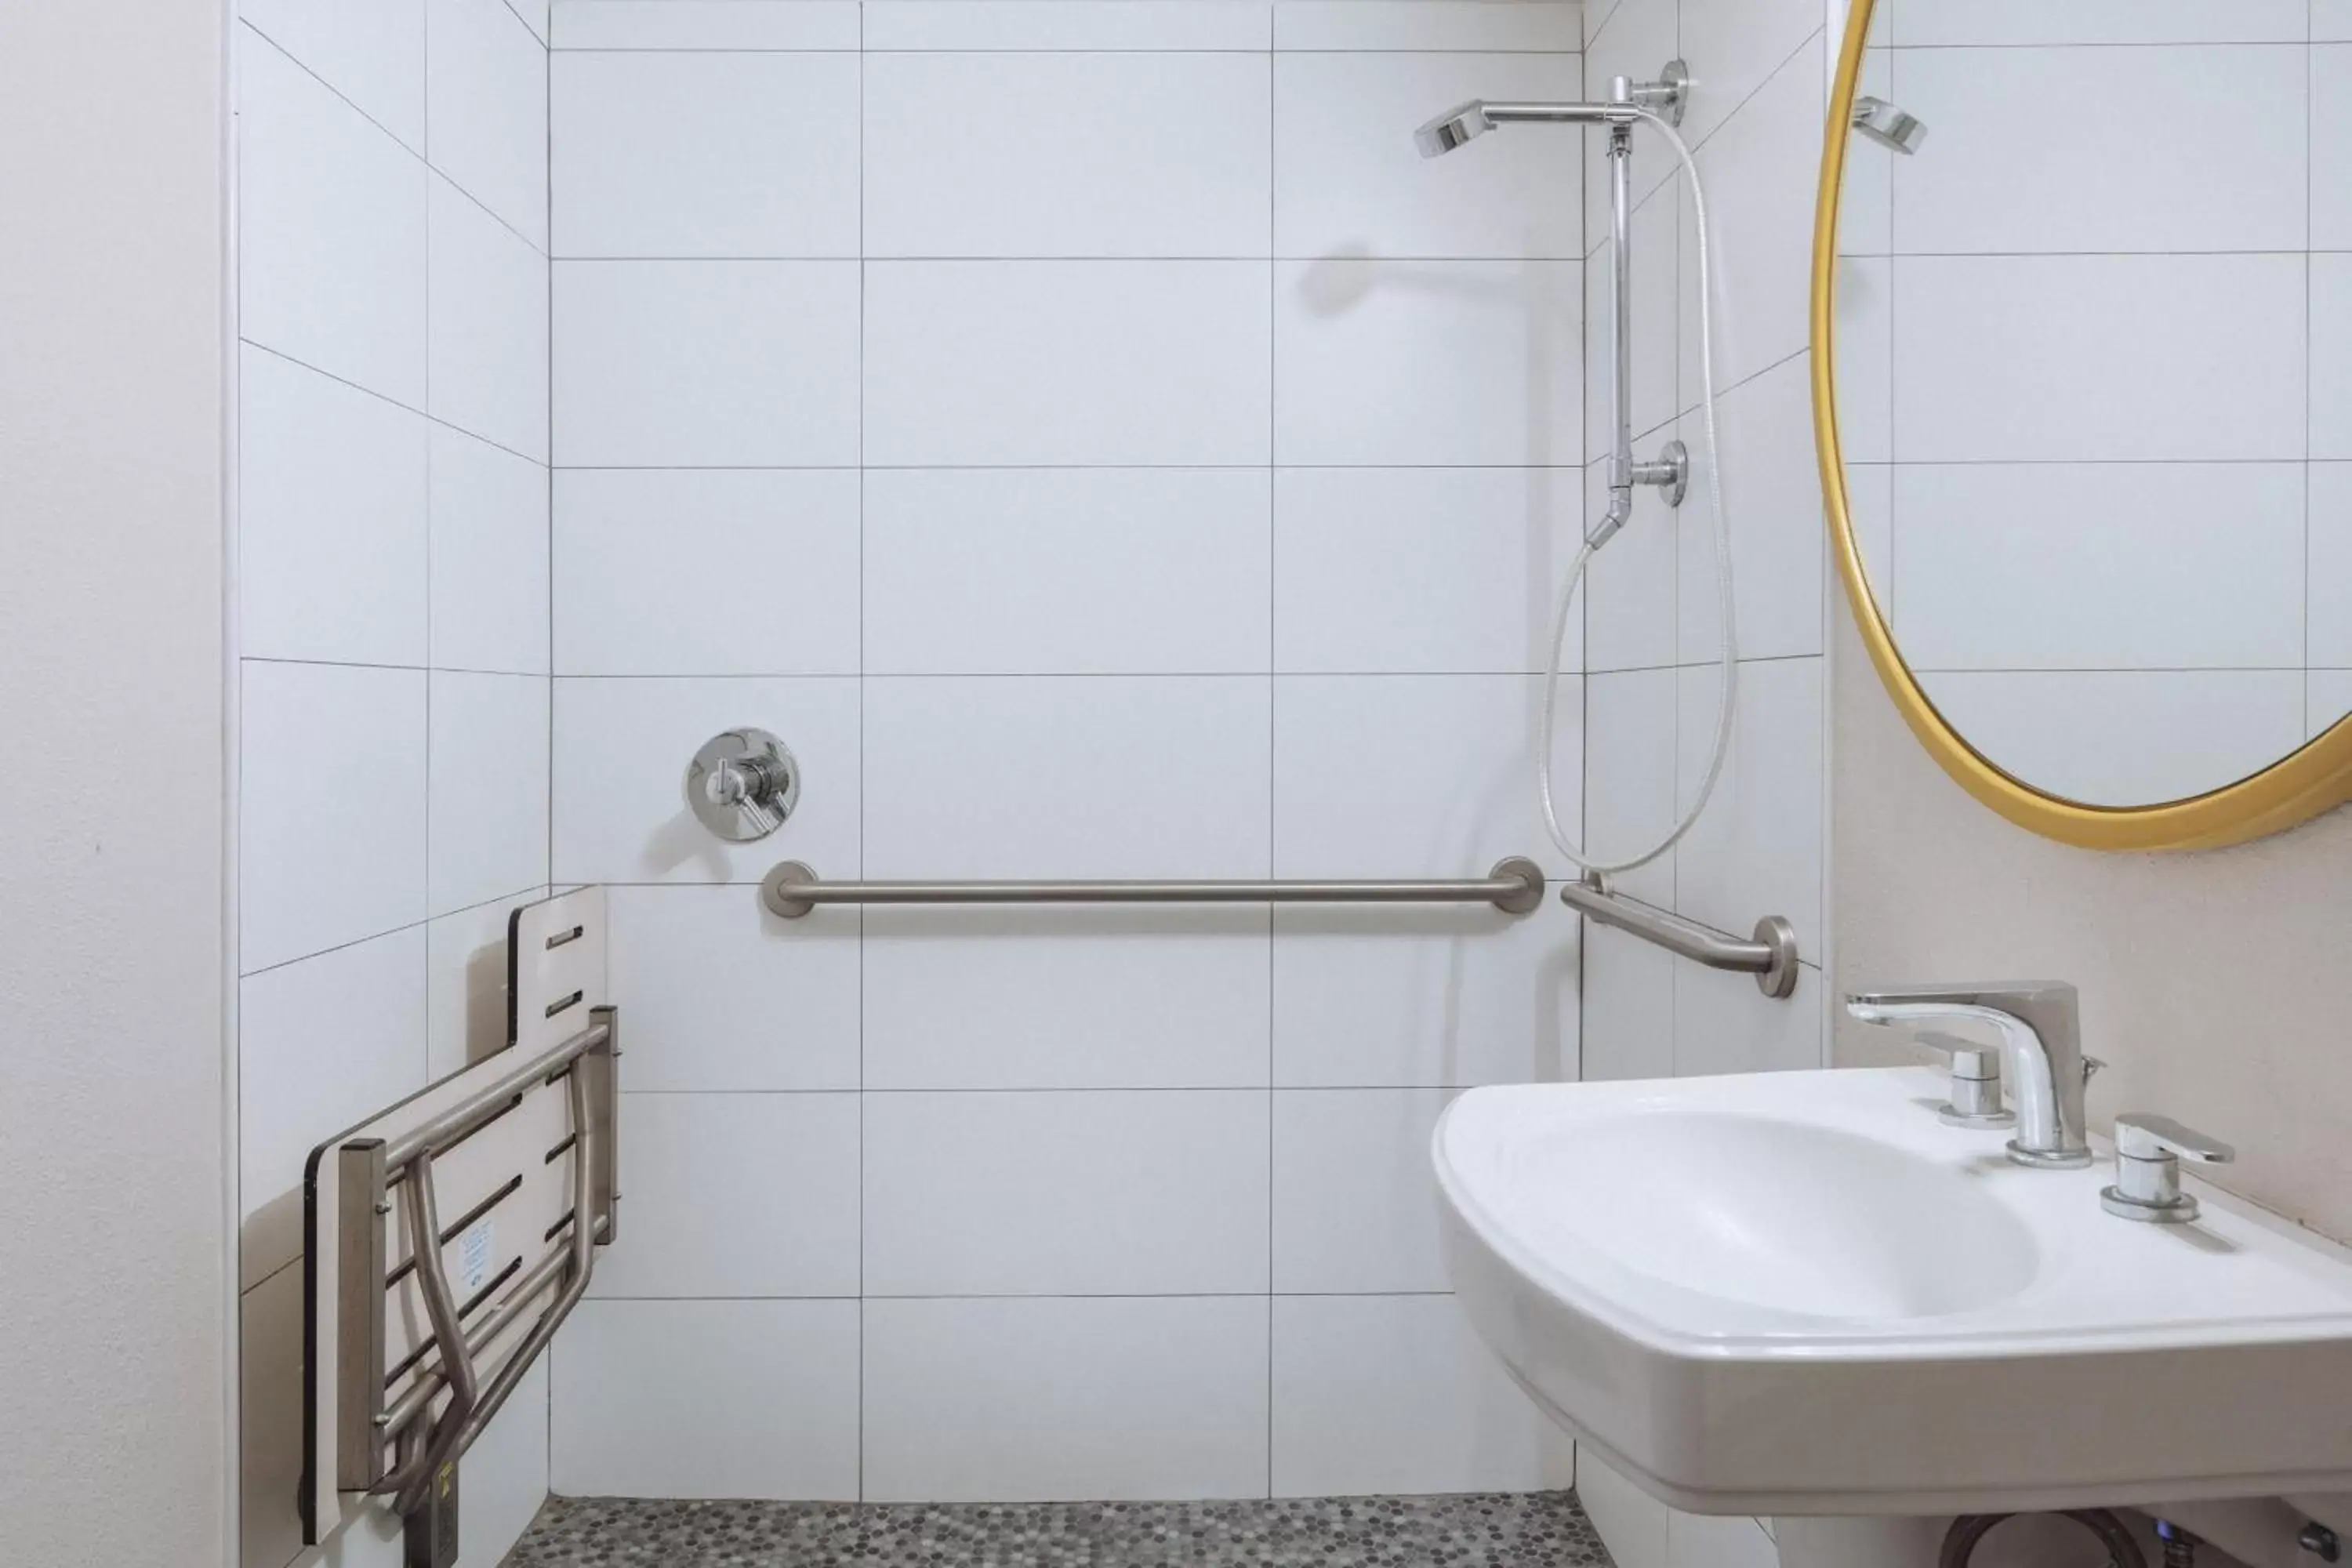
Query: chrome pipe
{"points": [[1771, 956], [1515, 886]]}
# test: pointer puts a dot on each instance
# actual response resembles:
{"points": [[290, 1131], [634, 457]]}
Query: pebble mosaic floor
{"points": [[1545, 1529]]}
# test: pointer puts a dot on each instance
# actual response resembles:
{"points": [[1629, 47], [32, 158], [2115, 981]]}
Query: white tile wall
{"points": [[976, 1194], [704, 1226], [705, 363], [1396, 1394], [392, 620], [1065, 1399], [996, 363], [1066, 571], [1181, 498], [956, 164], [707, 1399]]}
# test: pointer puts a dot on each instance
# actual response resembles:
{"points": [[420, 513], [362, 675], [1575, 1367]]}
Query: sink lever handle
{"points": [[1976, 1082], [2148, 1151]]}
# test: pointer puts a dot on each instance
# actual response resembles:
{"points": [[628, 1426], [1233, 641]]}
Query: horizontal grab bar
{"points": [[1772, 957], [1515, 886]]}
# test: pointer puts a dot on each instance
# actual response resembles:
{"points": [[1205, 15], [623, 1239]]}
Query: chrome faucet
{"points": [[2040, 1027]]}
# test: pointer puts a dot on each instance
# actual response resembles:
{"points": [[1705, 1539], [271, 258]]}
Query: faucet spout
{"points": [[2039, 1025]]}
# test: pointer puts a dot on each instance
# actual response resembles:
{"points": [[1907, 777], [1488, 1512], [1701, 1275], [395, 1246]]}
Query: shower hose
{"points": [[1728, 693]]}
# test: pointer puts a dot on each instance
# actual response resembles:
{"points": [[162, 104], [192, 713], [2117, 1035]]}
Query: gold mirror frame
{"points": [[2299, 786]]}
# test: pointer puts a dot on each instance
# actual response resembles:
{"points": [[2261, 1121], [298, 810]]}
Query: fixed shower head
{"points": [[1452, 128], [1888, 126]]}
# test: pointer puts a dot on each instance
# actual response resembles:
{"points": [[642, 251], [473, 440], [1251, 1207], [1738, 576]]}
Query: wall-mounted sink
{"points": [[1802, 1293]]}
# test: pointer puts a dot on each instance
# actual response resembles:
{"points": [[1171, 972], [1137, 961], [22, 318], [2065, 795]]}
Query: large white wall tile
{"points": [[1421, 569], [333, 812], [2092, 357], [1444, 363], [1081, 776], [970, 1401], [322, 1045], [736, 1194], [1127, 1194], [1632, 1524], [332, 230], [2198, 565], [489, 532], [1398, 1394], [723, 995], [2104, 21], [1772, 487], [709, 571], [2126, 737], [709, 363], [1756, 848], [2136, 176], [1065, 998], [621, 750], [1717, 1541], [2331, 356], [706, 25], [2327, 700], [1093, 572], [705, 153], [2329, 600], [331, 535], [1723, 1024], [485, 109], [1414, 775], [372, 55], [956, 164], [1629, 1007], [1355, 1208], [1351, 182], [1417, 26], [2330, 19], [1631, 725], [2331, 146], [1865, 362], [1025, 24], [489, 780], [994, 364], [1632, 584], [1423, 996], [489, 335], [1759, 174], [1738, 46], [707, 1399]]}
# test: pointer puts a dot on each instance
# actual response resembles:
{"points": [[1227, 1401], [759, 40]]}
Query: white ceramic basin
{"points": [[1801, 1293]]}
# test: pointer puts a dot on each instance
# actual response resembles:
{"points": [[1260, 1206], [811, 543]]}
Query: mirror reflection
{"points": [[2095, 358]]}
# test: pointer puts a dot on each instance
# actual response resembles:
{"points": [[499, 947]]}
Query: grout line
{"points": [[394, 402], [398, 929]]}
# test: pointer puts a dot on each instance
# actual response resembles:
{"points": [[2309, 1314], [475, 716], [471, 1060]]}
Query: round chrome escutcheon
{"points": [[743, 784]]}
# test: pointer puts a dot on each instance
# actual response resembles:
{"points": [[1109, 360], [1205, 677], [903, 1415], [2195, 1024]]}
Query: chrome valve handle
{"points": [[743, 784], [2148, 1151]]}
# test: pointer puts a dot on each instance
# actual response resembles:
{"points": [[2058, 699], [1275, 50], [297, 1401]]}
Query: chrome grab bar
{"points": [[1515, 887], [1772, 957]]}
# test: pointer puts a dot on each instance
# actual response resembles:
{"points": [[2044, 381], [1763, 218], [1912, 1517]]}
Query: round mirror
{"points": [[2083, 377]]}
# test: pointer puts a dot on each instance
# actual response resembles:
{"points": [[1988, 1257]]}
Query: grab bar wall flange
{"points": [[1771, 956], [1515, 886]]}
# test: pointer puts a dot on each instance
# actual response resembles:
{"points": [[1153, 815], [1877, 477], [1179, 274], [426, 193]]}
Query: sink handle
{"points": [[1976, 1082], [2148, 1151]]}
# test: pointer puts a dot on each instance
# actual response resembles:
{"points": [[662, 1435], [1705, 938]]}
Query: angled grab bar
{"points": [[1772, 957], [1515, 887]]}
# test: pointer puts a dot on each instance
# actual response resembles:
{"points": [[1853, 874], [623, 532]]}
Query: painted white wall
{"points": [[392, 616], [1100, 447], [113, 1190], [1759, 71]]}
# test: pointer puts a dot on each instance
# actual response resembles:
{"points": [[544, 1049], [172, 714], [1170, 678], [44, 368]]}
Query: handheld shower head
{"points": [[1451, 129], [1888, 126]]}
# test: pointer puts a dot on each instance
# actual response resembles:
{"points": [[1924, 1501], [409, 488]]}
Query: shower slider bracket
{"points": [[511, 1166]]}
